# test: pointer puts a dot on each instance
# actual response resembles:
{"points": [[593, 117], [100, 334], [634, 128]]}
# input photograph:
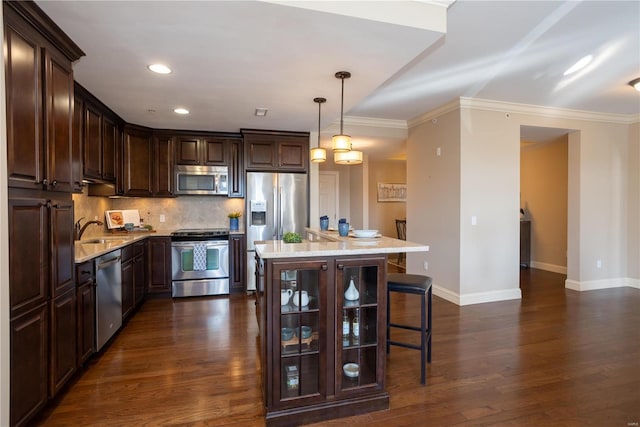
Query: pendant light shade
{"points": [[353, 157], [319, 155], [342, 142]]}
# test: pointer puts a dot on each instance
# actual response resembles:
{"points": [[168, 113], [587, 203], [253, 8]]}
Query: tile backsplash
{"points": [[179, 212]]}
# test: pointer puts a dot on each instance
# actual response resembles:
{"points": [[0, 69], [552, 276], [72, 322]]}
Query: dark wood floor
{"points": [[555, 358]]}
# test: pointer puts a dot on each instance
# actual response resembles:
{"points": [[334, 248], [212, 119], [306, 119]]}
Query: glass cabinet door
{"points": [[302, 312], [358, 297]]}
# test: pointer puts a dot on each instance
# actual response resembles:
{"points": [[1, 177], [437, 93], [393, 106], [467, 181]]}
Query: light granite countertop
{"points": [[92, 247], [329, 243]]}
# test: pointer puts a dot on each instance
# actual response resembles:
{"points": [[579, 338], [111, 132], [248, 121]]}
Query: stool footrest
{"points": [[405, 345], [411, 328]]}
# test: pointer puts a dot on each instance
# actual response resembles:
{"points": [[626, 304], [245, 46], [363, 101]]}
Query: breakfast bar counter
{"points": [[322, 312]]}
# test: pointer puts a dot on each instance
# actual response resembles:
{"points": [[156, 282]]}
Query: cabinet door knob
{"points": [[54, 182], [340, 266], [324, 267], [45, 181]]}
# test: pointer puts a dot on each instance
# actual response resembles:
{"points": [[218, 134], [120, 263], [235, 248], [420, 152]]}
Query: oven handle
{"points": [[206, 242]]}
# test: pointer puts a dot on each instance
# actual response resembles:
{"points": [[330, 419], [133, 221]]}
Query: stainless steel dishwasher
{"points": [[108, 296]]}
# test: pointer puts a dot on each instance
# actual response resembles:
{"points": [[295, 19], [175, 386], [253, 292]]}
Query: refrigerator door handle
{"points": [[276, 211], [281, 231]]}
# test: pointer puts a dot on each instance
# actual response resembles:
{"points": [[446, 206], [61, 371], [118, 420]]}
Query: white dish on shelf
{"points": [[352, 370]]}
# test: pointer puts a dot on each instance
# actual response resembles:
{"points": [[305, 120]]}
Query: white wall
{"points": [[489, 192], [433, 201], [633, 260], [603, 187]]}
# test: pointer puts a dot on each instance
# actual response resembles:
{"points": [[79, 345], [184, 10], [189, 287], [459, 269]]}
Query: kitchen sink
{"points": [[102, 241]]}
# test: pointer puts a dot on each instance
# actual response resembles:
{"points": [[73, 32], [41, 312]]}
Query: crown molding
{"points": [[373, 122], [542, 111], [513, 107], [430, 115]]}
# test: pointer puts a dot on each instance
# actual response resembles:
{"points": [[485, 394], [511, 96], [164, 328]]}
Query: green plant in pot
{"points": [[291, 237], [234, 219]]}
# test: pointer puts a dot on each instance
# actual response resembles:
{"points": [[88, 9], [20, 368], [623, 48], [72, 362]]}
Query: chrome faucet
{"points": [[78, 230]]}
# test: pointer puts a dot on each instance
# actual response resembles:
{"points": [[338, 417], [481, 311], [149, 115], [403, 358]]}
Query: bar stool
{"points": [[419, 285]]}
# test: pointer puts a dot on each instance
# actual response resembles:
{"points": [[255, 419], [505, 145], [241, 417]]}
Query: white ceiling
{"points": [[231, 57]]}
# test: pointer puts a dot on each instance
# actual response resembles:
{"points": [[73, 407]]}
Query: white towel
{"points": [[200, 257]]}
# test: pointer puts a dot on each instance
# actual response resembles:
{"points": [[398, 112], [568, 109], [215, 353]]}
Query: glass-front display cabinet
{"points": [[302, 311], [320, 349], [360, 356]]}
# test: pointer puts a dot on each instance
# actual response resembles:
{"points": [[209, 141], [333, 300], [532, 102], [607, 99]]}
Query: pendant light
{"points": [[341, 142], [353, 157], [319, 155]]}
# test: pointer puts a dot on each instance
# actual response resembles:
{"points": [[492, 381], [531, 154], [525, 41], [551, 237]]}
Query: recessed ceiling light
{"points": [[261, 112], [583, 62], [181, 111], [159, 68], [635, 83]]}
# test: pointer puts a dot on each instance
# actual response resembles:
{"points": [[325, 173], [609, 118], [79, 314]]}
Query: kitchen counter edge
{"points": [[323, 243], [84, 251]]}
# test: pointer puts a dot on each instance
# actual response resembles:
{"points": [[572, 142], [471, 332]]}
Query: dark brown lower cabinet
{"points": [[237, 257], [322, 349], [127, 287], [29, 364], [63, 362], [139, 272], [86, 311], [159, 265], [525, 243]]}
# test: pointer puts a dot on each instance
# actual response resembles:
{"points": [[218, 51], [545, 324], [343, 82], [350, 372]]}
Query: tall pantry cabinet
{"points": [[39, 98]]}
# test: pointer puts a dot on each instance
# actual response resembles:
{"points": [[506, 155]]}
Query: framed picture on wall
{"points": [[389, 192]]}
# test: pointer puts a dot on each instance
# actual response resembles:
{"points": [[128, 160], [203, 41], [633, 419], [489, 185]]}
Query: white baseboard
{"points": [[562, 269], [477, 297], [590, 285], [445, 293]]}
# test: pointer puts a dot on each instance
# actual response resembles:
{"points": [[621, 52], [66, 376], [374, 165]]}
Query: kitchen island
{"points": [[322, 308]]}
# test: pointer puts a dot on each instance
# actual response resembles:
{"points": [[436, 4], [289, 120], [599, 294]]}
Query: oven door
{"points": [[199, 260]]}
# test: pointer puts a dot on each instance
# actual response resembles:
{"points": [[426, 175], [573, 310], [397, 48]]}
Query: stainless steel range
{"points": [[199, 262]]}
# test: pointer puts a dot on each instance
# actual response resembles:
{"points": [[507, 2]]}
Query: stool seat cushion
{"points": [[414, 283]]}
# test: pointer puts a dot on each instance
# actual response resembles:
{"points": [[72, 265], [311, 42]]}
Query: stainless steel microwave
{"points": [[202, 180]]}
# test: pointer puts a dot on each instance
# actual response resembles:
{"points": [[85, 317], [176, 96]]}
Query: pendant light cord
{"points": [[341, 106], [319, 108]]}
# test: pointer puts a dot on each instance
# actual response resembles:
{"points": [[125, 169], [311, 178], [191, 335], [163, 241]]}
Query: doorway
{"points": [[329, 196], [544, 197]]}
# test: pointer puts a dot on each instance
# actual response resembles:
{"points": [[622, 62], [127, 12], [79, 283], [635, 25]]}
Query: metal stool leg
{"points": [[388, 319], [430, 326], [423, 339]]}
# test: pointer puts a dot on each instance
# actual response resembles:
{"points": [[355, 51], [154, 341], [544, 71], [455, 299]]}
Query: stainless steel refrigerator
{"points": [[277, 203]]}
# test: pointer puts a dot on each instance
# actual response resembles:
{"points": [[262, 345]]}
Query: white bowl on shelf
{"points": [[352, 370], [365, 233]]}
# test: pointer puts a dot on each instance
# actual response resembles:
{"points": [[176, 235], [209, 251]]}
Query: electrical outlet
{"points": [[599, 263], [426, 265], [162, 218], [474, 220]]}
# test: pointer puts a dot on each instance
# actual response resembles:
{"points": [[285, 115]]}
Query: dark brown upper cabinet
{"points": [[236, 168], [76, 144], [100, 134], [276, 151], [39, 100], [137, 164], [162, 165], [201, 149]]}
